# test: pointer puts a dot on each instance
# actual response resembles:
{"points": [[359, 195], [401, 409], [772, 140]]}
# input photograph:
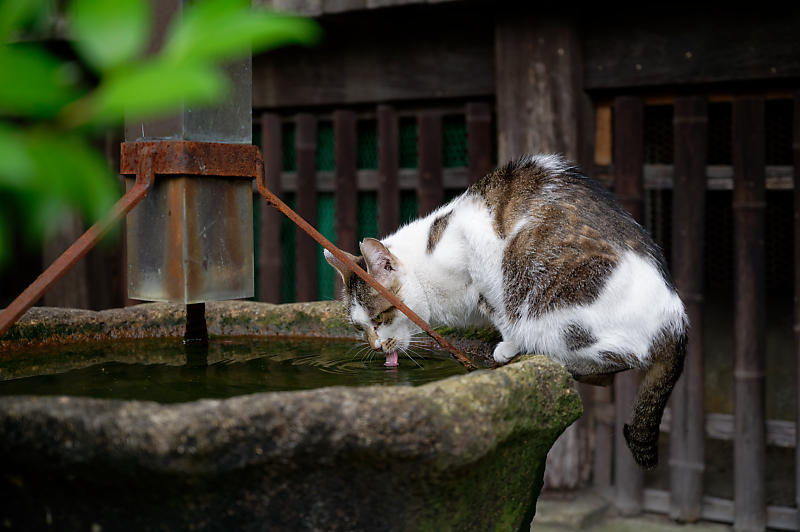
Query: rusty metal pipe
{"points": [[324, 242], [74, 253]]}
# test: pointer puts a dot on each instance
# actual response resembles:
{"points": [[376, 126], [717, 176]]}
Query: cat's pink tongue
{"points": [[391, 360]]}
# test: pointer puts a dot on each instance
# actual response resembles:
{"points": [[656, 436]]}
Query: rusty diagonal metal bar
{"points": [[74, 253], [273, 200]]}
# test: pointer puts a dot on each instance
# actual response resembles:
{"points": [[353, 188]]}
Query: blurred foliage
{"points": [[53, 105]]}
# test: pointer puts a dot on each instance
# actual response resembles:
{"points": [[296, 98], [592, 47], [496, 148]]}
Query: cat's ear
{"points": [[380, 262], [340, 266]]}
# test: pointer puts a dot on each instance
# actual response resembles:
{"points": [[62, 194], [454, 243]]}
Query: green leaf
{"points": [[16, 166], [70, 173], [37, 83], [14, 14], [221, 29], [109, 33], [155, 88]]}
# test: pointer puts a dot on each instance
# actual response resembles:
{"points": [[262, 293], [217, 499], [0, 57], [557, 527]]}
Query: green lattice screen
{"points": [[289, 156], [367, 145], [454, 141], [454, 146], [326, 224], [287, 254], [407, 137]]}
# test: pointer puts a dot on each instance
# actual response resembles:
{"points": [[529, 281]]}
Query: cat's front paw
{"points": [[504, 351]]}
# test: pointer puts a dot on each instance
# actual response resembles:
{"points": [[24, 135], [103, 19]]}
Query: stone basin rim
{"points": [[375, 418]]}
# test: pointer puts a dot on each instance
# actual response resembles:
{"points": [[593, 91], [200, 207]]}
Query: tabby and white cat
{"points": [[549, 258]]}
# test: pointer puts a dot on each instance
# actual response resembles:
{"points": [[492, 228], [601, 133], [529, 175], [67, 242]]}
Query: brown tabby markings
{"points": [[437, 230], [576, 337], [564, 255], [508, 192], [668, 352], [360, 292]]}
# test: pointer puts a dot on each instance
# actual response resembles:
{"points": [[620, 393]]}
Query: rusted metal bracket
{"points": [[274, 201], [144, 182], [186, 157]]}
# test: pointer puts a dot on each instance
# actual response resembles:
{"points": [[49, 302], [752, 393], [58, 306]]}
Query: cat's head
{"points": [[385, 328]]}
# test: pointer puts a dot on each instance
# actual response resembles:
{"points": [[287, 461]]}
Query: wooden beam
{"points": [[372, 57], [687, 462], [749, 325], [622, 52], [722, 510], [306, 206], [388, 161], [346, 197], [629, 187], [269, 255], [430, 193], [479, 140]]}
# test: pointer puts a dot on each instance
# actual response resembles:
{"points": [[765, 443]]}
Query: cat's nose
{"points": [[376, 344]]}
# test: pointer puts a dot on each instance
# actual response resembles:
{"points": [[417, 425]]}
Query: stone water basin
{"points": [[463, 453]]}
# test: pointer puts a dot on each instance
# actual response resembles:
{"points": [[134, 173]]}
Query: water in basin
{"points": [[166, 371]]}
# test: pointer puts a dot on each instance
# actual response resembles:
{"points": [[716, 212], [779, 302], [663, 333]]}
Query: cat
{"points": [[548, 257]]}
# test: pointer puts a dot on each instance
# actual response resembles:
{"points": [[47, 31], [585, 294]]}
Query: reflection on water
{"points": [[164, 371]]}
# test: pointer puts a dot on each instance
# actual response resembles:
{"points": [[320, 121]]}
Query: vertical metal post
{"points": [[196, 330], [306, 202], [629, 187], [690, 130], [430, 190], [388, 162], [479, 140], [269, 256], [749, 336]]}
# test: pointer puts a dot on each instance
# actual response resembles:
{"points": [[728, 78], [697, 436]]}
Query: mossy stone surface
{"points": [[464, 453]]}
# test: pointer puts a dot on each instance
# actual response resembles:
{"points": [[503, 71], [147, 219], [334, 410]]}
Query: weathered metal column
{"points": [[750, 508], [686, 459], [191, 239]]}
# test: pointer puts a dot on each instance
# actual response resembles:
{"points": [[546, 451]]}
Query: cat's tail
{"points": [[667, 357]]}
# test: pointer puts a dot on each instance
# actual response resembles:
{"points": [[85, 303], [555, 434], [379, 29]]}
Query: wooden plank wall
{"points": [[751, 432]]}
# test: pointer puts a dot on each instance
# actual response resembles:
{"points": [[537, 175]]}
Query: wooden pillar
{"points": [[538, 85], [479, 140], [629, 185], [388, 162], [796, 150], [430, 188], [749, 337], [539, 106], [72, 290], [269, 246], [344, 131], [686, 461], [306, 206]]}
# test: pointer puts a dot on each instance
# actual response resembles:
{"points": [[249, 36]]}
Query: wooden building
{"points": [[692, 116]]}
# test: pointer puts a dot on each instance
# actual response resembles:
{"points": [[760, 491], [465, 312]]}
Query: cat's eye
{"points": [[383, 316]]}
